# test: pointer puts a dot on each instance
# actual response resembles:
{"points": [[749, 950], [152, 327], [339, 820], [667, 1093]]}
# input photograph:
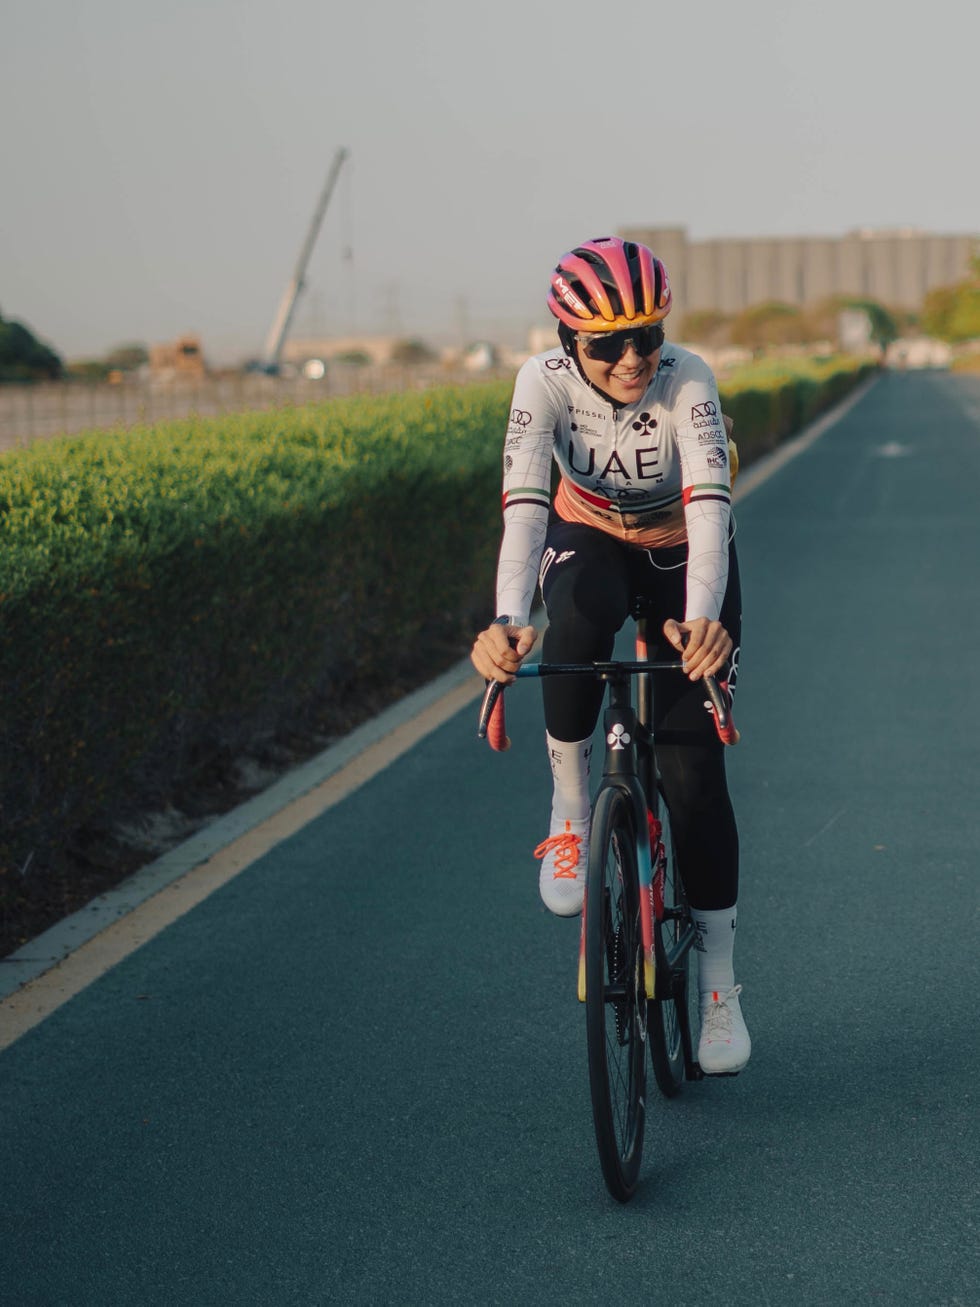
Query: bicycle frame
{"points": [[635, 937], [628, 740], [630, 765]]}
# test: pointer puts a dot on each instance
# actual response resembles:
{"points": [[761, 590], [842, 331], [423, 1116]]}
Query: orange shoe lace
{"points": [[566, 849]]}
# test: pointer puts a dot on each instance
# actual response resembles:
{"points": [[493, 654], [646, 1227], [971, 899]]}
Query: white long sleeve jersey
{"points": [[654, 473]]}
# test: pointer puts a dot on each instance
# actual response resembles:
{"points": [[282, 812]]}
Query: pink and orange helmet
{"points": [[609, 284]]}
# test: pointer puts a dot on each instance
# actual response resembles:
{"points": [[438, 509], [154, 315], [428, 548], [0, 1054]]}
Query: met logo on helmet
{"points": [[568, 295]]}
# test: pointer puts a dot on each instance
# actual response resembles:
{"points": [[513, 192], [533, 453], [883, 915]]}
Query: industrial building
{"points": [[894, 268]]}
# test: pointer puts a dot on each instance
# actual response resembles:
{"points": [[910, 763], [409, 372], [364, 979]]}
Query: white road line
{"points": [[831, 821]]}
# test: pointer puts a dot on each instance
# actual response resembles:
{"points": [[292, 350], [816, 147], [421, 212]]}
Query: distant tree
{"points": [[884, 328], [358, 358], [824, 319], [23, 357], [764, 326], [952, 313], [938, 310], [412, 351], [706, 327], [127, 358], [88, 370]]}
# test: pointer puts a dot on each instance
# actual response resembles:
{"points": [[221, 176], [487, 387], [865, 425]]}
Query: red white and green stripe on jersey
{"points": [[533, 495], [697, 494]]}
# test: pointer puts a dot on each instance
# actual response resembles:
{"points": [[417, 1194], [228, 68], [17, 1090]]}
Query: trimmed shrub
{"points": [[170, 594], [167, 594]]}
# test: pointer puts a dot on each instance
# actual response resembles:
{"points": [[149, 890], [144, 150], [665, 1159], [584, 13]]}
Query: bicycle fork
{"points": [[624, 732], [621, 726]]}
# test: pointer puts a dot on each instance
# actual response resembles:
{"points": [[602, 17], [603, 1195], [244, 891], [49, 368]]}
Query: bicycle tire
{"points": [[615, 1002], [663, 1023]]}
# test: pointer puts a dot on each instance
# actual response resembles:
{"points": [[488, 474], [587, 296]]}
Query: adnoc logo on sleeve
{"points": [[706, 410]]}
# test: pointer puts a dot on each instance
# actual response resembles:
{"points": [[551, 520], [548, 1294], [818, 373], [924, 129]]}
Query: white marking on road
{"points": [[832, 821], [893, 450]]}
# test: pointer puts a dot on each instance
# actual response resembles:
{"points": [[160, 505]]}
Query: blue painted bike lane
{"points": [[356, 1073]]}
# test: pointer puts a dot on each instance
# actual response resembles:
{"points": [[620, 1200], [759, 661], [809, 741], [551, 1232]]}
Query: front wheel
{"points": [[615, 1000]]}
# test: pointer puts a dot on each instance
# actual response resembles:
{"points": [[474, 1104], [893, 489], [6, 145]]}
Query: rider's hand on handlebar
{"points": [[705, 645], [493, 655]]}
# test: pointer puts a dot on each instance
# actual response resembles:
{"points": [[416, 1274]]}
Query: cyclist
{"points": [[642, 509]]}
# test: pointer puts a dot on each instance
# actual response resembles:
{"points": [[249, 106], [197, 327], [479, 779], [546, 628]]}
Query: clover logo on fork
{"points": [[618, 737]]}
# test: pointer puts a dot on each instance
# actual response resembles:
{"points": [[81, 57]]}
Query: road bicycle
{"points": [[637, 931]]}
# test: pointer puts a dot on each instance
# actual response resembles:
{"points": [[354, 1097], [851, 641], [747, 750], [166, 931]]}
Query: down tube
{"points": [[644, 866]]}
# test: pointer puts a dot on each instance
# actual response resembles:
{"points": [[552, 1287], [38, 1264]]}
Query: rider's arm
{"points": [[702, 444], [526, 491], [498, 651]]}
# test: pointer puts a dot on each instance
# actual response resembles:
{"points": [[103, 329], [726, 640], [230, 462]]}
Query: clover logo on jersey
{"points": [[644, 424]]}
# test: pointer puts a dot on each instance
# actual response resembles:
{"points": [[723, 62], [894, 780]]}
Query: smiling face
{"points": [[624, 380]]}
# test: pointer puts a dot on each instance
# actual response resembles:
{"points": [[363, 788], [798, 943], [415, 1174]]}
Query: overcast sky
{"points": [[160, 163]]}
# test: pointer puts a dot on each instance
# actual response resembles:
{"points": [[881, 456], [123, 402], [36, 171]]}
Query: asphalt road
{"points": [[356, 1074]]}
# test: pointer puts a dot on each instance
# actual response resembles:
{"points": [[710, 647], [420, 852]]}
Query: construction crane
{"points": [[280, 326]]}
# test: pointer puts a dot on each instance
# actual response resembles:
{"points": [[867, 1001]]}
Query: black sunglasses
{"points": [[609, 347]]}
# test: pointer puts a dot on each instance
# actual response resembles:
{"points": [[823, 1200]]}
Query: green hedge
{"points": [[169, 594], [771, 400]]}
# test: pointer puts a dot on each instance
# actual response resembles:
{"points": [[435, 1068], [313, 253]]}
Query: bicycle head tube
{"points": [[619, 726]]}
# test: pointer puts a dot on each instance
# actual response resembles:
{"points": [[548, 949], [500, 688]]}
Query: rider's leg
{"points": [[585, 587], [565, 853], [690, 756], [570, 763], [691, 759]]}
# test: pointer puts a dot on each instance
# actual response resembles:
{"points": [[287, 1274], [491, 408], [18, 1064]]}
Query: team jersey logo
{"points": [[618, 737], [708, 409]]}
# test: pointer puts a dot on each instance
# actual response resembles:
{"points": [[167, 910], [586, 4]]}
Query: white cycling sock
{"points": [[715, 943], [570, 769]]}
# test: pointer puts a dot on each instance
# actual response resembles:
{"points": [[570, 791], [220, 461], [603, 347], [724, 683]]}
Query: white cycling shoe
{"points": [[564, 858], [725, 1045]]}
